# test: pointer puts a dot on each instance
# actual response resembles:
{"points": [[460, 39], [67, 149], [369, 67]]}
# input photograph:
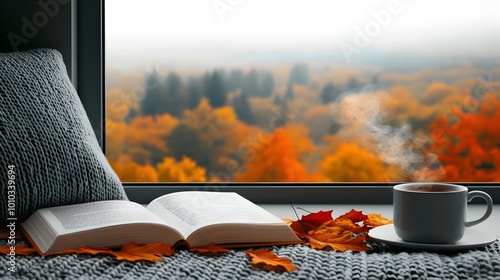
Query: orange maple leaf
{"points": [[376, 220], [209, 250], [353, 215], [340, 243], [339, 234], [318, 218], [266, 260], [310, 222], [129, 252], [20, 249], [347, 232], [149, 252]]}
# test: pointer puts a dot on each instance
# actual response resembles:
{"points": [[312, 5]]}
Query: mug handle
{"points": [[489, 201]]}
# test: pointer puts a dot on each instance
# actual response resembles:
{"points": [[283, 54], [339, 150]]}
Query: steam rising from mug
{"points": [[363, 117]]}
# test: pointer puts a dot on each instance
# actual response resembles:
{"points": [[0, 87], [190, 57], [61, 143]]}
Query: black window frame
{"points": [[91, 87]]}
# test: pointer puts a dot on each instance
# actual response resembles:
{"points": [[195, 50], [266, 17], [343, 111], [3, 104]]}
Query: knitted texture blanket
{"points": [[381, 263]]}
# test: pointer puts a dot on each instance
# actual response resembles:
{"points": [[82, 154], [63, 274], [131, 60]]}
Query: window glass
{"points": [[303, 91]]}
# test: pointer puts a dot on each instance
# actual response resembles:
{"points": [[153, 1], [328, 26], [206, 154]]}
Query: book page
{"points": [[188, 211], [87, 216]]}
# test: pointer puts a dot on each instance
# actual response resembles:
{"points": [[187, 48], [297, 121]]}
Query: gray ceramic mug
{"points": [[434, 212]]}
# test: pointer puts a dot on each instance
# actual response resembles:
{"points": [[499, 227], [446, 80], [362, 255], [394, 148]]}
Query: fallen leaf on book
{"points": [[266, 260], [209, 250], [129, 252], [346, 232], [20, 249]]}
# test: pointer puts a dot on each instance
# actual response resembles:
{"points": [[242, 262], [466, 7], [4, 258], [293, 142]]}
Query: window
{"points": [[328, 93]]}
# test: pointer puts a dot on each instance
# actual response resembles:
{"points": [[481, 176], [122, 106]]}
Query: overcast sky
{"points": [[195, 29]]}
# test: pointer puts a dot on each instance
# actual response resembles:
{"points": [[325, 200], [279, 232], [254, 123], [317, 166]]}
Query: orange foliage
{"points": [[310, 222], [185, 171], [220, 130], [116, 132], [142, 139], [401, 102], [376, 220], [346, 232], [212, 124], [266, 260], [130, 171], [301, 142], [275, 162], [318, 119], [339, 243], [117, 105], [21, 250], [331, 144], [351, 163], [129, 252], [150, 132], [467, 144], [209, 250], [436, 92]]}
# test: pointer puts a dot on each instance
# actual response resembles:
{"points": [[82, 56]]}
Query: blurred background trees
{"points": [[278, 124]]}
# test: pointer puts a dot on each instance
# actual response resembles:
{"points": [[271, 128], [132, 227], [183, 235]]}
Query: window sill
{"points": [[474, 212]]}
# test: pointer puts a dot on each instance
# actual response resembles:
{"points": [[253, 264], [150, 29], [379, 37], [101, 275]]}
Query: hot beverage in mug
{"points": [[434, 212]]}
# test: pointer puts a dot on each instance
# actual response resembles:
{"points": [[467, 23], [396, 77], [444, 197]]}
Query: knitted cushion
{"points": [[47, 144]]}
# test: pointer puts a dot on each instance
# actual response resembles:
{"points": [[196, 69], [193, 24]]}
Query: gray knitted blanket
{"points": [[381, 263]]}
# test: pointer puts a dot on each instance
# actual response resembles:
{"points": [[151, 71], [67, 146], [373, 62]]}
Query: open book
{"points": [[196, 217]]}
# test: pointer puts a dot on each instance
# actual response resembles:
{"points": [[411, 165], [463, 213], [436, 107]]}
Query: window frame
{"points": [[91, 87]]}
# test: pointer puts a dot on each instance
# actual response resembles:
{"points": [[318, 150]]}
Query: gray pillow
{"points": [[49, 155]]}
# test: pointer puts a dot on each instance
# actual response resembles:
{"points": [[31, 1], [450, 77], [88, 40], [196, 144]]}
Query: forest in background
{"points": [[279, 123]]}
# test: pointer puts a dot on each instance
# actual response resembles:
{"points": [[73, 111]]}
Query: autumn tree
{"points": [[195, 93], [154, 95], [318, 119], [468, 143], [117, 105], [208, 136], [328, 93], [185, 141], [289, 95], [350, 163], [242, 108], [436, 92], [274, 161], [184, 171], [145, 140], [174, 100], [266, 84], [302, 144], [299, 74], [235, 80], [215, 90], [130, 171], [251, 83], [116, 133]]}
